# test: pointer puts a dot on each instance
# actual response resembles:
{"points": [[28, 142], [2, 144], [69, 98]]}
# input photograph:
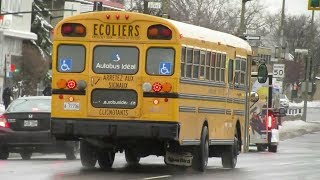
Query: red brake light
{"points": [[3, 122], [165, 32], [156, 87], [73, 30], [271, 121], [159, 32], [67, 29], [71, 84]]}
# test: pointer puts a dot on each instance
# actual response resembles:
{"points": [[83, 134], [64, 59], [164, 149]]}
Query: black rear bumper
{"points": [[36, 141], [74, 129]]}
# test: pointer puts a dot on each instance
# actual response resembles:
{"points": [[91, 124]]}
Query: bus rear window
{"points": [[115, 60], [160, 61], [71, 58]]}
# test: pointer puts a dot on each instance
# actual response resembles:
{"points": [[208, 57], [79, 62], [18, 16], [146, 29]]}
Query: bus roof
{"points": [[197, 32]]}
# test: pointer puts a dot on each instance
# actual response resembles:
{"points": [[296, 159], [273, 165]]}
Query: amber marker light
{"points": [[126, 16], [71, 99], [62, 83], [166, 87], [108, 16], [153, 32], [79, 29], [156, 101]]}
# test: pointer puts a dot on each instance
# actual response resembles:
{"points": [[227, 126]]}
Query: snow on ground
{"points": [[1, 109], [291, 129], [309, 104]]}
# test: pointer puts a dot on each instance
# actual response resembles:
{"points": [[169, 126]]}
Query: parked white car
{"points": [[284, 101]]}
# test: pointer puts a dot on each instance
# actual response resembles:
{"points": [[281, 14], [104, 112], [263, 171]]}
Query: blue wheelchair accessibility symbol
{"points": [[165, 68], [65, 64]]}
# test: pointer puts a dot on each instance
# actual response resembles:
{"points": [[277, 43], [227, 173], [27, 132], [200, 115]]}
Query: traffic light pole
{"points": [[305, 103]]}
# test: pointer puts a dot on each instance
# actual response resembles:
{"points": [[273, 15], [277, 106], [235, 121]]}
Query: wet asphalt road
{"points": [[297, 158]]}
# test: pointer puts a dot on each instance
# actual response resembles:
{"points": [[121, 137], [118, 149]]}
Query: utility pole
{"points": [[282, 30], [305, 103], [145, 7], [309, 61], [165, 8], [242, 28]]}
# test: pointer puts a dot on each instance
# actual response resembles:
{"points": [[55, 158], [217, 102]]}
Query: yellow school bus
{"points": [[145, 85]]}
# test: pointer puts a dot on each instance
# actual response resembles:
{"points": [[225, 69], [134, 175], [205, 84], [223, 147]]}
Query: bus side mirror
{"points": [[262, 73], [254, 97]]}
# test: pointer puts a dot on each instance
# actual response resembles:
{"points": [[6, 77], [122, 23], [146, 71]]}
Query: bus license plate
{"points": [[30, 123], [72, 106]]}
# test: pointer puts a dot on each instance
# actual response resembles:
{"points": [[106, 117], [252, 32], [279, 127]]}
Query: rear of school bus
{"points": [[115, 83]]}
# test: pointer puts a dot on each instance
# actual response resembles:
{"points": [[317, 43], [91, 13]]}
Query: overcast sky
{"points": [[293, 7]]}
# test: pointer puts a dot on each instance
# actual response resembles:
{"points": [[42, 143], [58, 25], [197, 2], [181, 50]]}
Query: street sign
{"points": [[154, 5], [278, 70], [301, 51], [253, 37]]}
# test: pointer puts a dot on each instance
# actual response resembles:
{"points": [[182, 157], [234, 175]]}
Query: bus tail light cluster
{"points": [[73, 30], [3, 122], [71, 84], [156, 87], [159, 32]]}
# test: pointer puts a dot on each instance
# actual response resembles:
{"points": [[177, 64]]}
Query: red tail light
{"points": [[156, 87], [71, 84], [271, 120], [73, 30], [159, 32], [3, 122]]}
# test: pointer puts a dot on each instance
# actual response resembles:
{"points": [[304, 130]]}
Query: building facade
{"points": [[14, 28]]}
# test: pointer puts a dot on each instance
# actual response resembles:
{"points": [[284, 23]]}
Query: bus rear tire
{"points": [[260, 148], [4, 153], [201, 154], [272, 148], [88, 155], [131, 157], [106, 159], [230, 155]]}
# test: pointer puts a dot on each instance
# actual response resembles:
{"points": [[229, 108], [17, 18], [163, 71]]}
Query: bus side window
{"points": [[230, 71], [183, 62], [218, 67], [213, 66], [223, 67], [196, 61], [202, 64], [207, 70], [189, 62]]}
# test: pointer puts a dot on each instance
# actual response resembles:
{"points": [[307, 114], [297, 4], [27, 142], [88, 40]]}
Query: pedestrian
{"points": [[47, 91], [6, 97]]}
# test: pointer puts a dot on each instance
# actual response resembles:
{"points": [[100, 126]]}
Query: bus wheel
{"points": [[229, 156], [26, 155], [260, 148], [4, 153], [131, 157], [88, 155], [272, 148], [201, 153], [106, 159]]}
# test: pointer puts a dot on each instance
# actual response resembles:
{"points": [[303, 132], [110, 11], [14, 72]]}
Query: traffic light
{"points": [[314, 5]]}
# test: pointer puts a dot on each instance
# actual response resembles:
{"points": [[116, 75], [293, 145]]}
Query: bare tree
{"points": [[33, 68]]}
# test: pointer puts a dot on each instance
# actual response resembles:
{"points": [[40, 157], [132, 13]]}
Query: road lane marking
{"points": [[158, 177]]}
